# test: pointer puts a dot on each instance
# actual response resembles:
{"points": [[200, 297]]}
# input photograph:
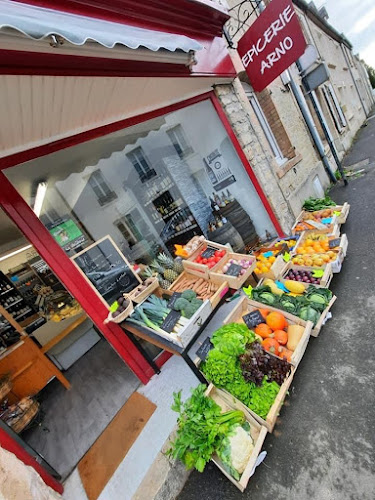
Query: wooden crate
{"points": [[143, 295], [344, 212], [305, 235], [275, 269], [183, 338], [341, 251], [202, 270], [333, 228], [270, 421], [315, 329], [287, 238], [246, 305], [234, 282], [258, 433], [222, 286], [325, 280]]}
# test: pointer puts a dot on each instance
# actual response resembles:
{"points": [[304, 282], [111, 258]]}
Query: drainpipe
{"points": [[351, 74], [325, 129], [311, 126]]}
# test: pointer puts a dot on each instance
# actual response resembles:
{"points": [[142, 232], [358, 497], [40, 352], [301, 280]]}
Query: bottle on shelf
{"points": [[230, 196], [224, 199], [214, 205]]}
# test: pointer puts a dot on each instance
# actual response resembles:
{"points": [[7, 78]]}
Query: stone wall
{"points": [[238, 111]]}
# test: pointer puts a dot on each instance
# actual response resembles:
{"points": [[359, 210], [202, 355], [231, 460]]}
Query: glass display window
{"points": [[149, 186]]}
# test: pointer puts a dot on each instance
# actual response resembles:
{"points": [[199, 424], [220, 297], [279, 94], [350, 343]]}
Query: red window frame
{"points": [[22, 215]]}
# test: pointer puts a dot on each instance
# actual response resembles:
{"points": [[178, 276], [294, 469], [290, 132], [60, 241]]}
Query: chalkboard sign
{"points": [[107, 269], [172, 300], [204, 349], [253, 319], [334, 243], [234, 270], [170, 321], [209, 252]]}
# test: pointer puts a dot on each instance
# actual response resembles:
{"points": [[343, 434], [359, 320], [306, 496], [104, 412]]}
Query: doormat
{"points": [[105, 455]]}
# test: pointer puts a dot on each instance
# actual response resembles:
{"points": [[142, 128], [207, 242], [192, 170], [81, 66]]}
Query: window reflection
{"points": [[149, 187]]}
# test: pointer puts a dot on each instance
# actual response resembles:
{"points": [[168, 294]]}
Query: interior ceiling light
{"points": [[15, 252], [39, 198]]}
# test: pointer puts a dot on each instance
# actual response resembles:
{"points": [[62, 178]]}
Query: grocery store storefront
{"points": [[128, 142]]}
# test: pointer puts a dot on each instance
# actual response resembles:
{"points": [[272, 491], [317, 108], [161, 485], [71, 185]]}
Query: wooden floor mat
{"points": [[100, 462]]}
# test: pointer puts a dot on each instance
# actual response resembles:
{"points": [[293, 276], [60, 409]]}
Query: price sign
{"points": [[209, 252], [234, 270], [253, 319], [204, 349], [334, 243], [172, 300], [286, 257], [170, 321], [318, 273]]}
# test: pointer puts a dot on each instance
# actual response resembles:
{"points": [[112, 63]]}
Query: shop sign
{"points": [[271, 44], [217, 170]]}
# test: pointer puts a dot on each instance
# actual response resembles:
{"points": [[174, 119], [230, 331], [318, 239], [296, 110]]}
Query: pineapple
{"points": [[147, 272], [165, 284], [170, 275], [177, 266], [158, 268], [165, 260]]}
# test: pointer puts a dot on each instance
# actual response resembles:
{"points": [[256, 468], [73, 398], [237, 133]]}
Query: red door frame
{"points": [[33, 229]]}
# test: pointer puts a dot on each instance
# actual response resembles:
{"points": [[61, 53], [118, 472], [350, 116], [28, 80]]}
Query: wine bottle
{"points": [[230, 197]]}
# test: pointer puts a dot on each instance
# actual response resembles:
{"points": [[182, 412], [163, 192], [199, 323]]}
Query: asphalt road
{"points": [[323, 444]]}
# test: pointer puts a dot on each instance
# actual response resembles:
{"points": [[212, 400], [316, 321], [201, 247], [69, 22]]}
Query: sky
{"points": [[356, 19]]}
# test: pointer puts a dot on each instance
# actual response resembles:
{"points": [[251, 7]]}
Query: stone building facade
{"points": [[270, 125]]}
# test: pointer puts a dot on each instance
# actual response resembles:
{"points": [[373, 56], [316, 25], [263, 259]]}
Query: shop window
{"points": [[178, 139], [334, 107], [271, 124], [164, 200], [129, 229], [266, 129], [126, 233], [141, 165], [100, 187]]}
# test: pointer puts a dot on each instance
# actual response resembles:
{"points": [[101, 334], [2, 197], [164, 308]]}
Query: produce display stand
{"points": [[202, 270], [234, 282], [270, 421], [332, 229], [221, 287], [257, 431], [341, 218], [145, 333], [315, 329], [275, 269], [342, 247], [245, 305], [143, 295], [325, 280], [344, 212]]}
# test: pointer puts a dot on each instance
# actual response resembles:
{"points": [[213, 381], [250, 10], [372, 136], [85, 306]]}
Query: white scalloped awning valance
{"points": [[39, 23]]}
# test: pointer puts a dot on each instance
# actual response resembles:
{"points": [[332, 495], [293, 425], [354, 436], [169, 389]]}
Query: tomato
{"points": [[204, 261]]}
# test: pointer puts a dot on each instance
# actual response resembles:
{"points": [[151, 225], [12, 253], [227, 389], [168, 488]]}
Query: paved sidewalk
{"points": [[323, 446]]}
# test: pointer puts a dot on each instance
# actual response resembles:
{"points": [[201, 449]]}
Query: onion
{"points": [[242, 272]]}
